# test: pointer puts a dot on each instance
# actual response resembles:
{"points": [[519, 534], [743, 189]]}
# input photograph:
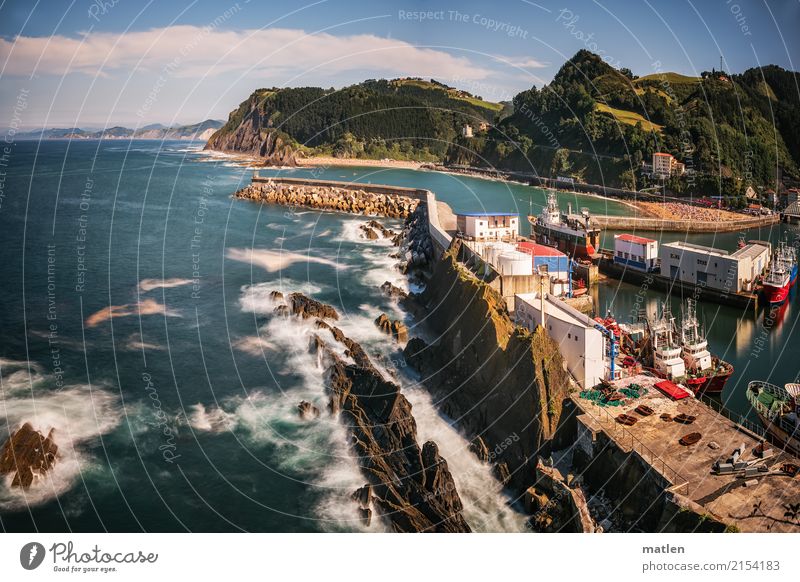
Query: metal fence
{"points": [[625, 438]]}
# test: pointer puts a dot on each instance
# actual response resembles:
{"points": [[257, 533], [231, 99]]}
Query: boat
{"points": [[779, 411], [704, 371], [667, 360], [570, 233], [787, 254], [777, 282]]}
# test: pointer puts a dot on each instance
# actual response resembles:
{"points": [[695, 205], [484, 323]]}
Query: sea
{"points": [[137, 326]]}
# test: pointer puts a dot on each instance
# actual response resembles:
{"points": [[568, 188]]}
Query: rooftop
{"points": [[554, 307], [751, 250], [634, 239], [693, 247], [538, 250], [487, 214]]}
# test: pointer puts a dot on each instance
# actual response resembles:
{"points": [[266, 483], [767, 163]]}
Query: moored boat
{"points": [[778, 409], [777, 282], [570, 233], [704, 371]]}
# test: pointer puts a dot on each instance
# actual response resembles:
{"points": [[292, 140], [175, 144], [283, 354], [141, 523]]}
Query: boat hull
{"points": [[710, 384], [573, 245], [776, 295], [790, 443]]}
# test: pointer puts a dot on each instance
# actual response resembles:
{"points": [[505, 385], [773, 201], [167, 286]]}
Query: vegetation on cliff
{"points": [[505, 384], [408, 119]]}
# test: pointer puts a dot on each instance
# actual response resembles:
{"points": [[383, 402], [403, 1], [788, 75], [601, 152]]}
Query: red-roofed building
{"points": [[636, 252]]}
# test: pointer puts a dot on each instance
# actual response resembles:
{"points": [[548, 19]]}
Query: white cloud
{"points": [[190, 51]]}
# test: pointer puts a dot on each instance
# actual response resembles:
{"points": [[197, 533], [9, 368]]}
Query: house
{"points": [[665, 165], [485, 226], [466, 131]]}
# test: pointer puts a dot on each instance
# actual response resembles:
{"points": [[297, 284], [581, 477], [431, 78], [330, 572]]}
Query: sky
{"points": [[102, 63]]}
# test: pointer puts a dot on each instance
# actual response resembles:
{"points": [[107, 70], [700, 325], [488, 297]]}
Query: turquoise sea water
{"points": [[179, 414]]}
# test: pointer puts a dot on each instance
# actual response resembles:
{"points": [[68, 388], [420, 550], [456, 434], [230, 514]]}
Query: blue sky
{"points": [[101, 63]]}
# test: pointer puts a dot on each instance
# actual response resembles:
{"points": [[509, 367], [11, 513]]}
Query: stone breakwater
{"points": [[329, 196]]}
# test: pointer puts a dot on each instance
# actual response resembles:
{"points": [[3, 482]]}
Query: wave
{"points": [[256, 298], [143, 307], [273, 261], [146, 285], [78, 414]]}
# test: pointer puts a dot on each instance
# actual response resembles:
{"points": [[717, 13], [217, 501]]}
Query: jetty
{"points": [[638, 224], [650, 455]]}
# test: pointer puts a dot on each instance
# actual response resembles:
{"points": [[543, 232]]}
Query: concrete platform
{"points": [[757, 508]]}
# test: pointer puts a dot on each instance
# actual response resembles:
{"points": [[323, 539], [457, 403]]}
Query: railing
{"points": [[738, 419], [625, 438]]}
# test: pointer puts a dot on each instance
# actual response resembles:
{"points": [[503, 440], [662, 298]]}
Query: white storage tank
{"points": [[514, 263], [495, 250]]}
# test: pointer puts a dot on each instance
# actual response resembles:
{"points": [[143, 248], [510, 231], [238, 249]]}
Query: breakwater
{"points": [[354, 198], [636, 223]]}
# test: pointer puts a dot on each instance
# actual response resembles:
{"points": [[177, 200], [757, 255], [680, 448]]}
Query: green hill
{"points": [[401, 119], [597, 124]]}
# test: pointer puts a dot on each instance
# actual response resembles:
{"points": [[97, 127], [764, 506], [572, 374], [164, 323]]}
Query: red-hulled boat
{"points": [[704, 371], [777, 282], [570, 233]]}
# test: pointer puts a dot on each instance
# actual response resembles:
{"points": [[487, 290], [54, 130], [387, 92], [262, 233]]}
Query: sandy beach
{"points": [[681, 211], [323, 161]]}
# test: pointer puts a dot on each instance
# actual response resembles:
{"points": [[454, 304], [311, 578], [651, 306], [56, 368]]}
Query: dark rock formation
{"points": [[411, 487], [415, 241], [250, 138], [391, 291], [397, 329], [377, 226], [479, 449], [306, 307], [27, 453], [307, 410], [369, 234], [503, 382], [276, 295]]}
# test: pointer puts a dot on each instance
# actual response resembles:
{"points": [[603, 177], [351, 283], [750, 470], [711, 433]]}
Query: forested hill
{"points": [[592, 122], [400, 119], [596, 123]]}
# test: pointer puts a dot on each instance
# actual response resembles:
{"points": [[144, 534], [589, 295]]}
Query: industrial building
{"points": [[582, 341], [485, 226], [636, 252], [713, 268]]}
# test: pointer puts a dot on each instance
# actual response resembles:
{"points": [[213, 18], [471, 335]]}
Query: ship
{"points": [[777, 282], [704, 371], [787, 254], [778, 409], [666, 351], [570, 233]]}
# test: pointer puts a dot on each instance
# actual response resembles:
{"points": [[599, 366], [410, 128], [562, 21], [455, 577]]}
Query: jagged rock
{"points": [[307, 410], [368, 232], [410, 486], [27, 454], [384, 323], [400, 331], [479, 448], [502, 473], [366, 515], [306, 307], [391, 291], [276, 295], [385, 232], [533, 500], [363, 495]]}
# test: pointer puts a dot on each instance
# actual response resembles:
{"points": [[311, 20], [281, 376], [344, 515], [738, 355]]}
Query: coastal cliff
{"points": [[407, 484], [503, 384], [252, 137]]}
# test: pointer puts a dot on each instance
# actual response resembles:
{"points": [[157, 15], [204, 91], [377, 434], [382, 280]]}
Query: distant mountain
{"points": [[198, 131], [402, 119]]}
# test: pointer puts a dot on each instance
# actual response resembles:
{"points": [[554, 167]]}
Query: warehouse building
{"points": [[713, 268], [636, 252], [485, 226], [580, 339]]}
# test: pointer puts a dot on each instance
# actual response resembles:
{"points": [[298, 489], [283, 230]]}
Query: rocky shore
{"points": [[353, 201], [27, 454], [409, 485]]}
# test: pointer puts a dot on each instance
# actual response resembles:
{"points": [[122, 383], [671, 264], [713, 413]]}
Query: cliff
{"points": [[503, 384]]}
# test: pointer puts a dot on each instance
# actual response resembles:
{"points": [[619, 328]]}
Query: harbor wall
{"points": [[663, 225]]}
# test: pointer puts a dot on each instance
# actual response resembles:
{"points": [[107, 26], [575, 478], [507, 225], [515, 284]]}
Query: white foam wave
{"points": [[78, 414], [273, 261], [146, 285]]}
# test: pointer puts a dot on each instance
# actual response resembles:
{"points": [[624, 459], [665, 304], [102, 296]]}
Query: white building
{"points": [[581, 342], [466, 131], [714, 268], [635, 251], [484, 226], [665, 165]]}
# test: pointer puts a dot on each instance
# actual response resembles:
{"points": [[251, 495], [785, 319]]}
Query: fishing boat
{"points": [[667, 360], [570, 233], [787, 254], [778, 409], [704, 371], [777, 282]]}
